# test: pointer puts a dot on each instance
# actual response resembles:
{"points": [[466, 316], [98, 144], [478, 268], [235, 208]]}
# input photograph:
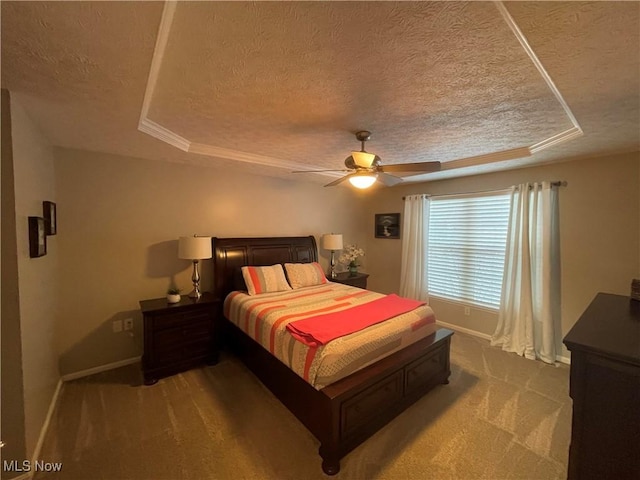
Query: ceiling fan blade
{"points": [[423, 167], [340, 180], [318, 171], [388, 180]]}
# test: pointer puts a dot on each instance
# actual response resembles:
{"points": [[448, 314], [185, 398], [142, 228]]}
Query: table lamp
{"points": [[195, 249], [333, 242]]}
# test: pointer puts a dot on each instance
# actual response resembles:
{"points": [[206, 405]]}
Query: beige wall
{"points": [[119, 221], [34, 183], [599, 232], [12, 401]]}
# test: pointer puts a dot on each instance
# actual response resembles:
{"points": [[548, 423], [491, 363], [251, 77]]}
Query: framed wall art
{"points": [[387, 225], [49, 215], [37, 237]]}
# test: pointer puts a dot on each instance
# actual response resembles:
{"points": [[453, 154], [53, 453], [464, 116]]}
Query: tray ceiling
{"points": [[268, 87]]}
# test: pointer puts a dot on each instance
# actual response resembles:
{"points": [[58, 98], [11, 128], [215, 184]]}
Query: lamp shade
{"points": [[332, 241], [194, 248]]}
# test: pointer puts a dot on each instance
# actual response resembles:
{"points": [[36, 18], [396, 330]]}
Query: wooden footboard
{"points": [[346, 413]]}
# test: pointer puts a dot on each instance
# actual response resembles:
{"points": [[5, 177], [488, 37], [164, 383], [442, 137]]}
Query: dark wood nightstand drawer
{"points": [[358, 282], [355, 280], [178, 319], [177, 354], [192, 332]]}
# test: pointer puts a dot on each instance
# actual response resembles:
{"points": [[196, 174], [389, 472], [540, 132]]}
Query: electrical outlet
{"points": [[117, 326], [128, 324], [467, 311]]}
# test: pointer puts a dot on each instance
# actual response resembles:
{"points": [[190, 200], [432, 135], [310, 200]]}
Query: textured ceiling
{"points": [[268, 87]]}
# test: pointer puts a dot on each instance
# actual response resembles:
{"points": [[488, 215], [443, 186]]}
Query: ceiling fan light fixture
{"points": [[364, 180], [365, 168], [363, 159]]}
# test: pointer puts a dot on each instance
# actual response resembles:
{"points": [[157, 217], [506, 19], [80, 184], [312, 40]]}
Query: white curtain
{"points": [[529, 319], [413, 271]]}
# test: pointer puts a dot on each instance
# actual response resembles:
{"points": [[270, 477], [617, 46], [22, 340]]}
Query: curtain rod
{"points": [[559, 183]]}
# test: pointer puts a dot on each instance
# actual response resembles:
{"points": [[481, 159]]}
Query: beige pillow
{"points": [[305, 274], [265, 279]]}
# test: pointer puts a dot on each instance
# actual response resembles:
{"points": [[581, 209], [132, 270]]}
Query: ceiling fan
{"points": [[365, 168]]}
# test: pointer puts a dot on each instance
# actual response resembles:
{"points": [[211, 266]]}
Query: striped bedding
{"points": [[264, 318]]}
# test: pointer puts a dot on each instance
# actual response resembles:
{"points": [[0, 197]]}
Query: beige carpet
{"points": [[501, 416]]}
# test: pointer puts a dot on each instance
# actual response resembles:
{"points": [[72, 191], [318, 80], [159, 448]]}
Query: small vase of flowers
{"points": [[350, 257]]}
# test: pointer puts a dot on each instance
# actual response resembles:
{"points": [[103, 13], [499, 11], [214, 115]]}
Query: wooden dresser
{"points": [[605, 388], [178, 336]]}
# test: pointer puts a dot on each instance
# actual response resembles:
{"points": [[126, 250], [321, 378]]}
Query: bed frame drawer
{"points": [[367, 404], [420, 373]]}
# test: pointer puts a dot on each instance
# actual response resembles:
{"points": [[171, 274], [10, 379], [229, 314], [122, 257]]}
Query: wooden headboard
{"points": [[229, 254]]}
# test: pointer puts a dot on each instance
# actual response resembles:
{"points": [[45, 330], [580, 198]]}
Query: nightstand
{"points": [[178, 336], [358, 280]]}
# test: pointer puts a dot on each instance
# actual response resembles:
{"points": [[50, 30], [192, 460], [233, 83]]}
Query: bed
{"points": [[344, 413]]}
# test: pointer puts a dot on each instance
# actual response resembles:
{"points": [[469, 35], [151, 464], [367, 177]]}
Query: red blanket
{"points": [[321, 329]]}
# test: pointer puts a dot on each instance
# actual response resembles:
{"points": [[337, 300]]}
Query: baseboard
{"points": [[559, 358], [43, 432], [100, 368], [464, 330]]}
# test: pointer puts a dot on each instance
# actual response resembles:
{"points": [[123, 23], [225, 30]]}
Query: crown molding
{"points": [[162, 133], [240, 156], [156, 61], [536, 62], [156, 130], [556, 139], [493, 157]]}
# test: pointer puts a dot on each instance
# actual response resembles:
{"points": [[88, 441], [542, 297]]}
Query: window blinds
{"points": [[466, 247]]}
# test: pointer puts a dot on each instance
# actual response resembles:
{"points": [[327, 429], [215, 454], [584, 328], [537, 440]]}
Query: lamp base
{"points": [[195, 293], [332, 271], [195, 278]]}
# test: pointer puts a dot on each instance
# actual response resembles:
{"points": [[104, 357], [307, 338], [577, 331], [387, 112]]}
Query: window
{"points": [[466, 247]]}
